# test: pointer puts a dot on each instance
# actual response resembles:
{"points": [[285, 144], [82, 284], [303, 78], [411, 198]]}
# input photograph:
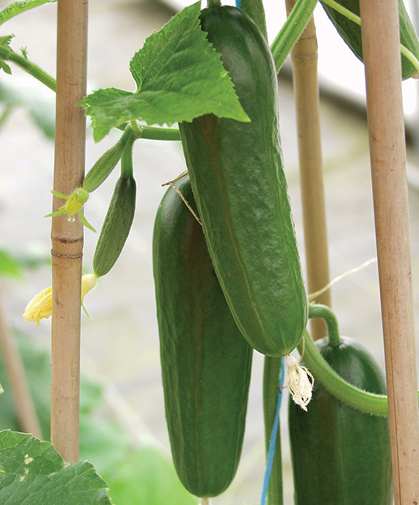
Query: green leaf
{"points": [[148, 477], [107, 109], [179, 76], [32, 470], [16, 8]]}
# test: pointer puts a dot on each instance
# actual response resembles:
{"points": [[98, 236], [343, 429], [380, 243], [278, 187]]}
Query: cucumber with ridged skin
{"points": [[351, 32], [341, 456], [116, 226], [241, 192], [205, 361]]}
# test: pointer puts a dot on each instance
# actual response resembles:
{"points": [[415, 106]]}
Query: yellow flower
{"points": [[40, 307], [73, 206]]}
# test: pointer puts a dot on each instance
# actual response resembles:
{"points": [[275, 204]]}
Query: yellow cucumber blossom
{"points": [[40, 307], [73, 206]]}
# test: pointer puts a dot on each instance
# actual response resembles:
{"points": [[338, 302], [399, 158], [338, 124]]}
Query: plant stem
{"points": [[369, 403], [329, 317], [292, 30], [67, 237], [127, 169], [306, 92], [271, 373], [153, 132], [382, 59], [28, 66], [24, 406]]}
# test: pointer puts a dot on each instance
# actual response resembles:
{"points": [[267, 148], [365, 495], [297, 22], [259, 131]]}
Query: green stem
{"points": [[324, 312], [271, 372], [127, 169], [153, 132], [29, 67], [214, 3], [291, 30], [357, 20], [369, 403], [18, 7]]}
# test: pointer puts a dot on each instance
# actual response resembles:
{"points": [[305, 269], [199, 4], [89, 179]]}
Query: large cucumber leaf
{"points": [[179, 76], [32, 471]]}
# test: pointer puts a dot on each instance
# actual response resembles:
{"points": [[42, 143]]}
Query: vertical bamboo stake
{"points": [[26, 413], [67, 237], [380, 38], [306, 91]]}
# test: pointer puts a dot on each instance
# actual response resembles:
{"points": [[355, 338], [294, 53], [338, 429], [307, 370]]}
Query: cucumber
{"points": [[205, 361], [341, 455], [351, 32], [241, 192], [116, 226]]}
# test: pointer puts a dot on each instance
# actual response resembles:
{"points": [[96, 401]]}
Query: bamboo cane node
{"points": [[67, 256], [302, 57]]}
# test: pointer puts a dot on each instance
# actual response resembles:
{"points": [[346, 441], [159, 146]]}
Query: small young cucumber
{"points": [[341, 456], [116, 226], [205, 361], [351, 32], [241, 192], [107, 162]]}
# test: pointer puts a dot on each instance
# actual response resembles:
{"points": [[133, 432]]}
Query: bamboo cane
{"points": [[380, 38], [306, 92], [25, 410], [67, 237]]}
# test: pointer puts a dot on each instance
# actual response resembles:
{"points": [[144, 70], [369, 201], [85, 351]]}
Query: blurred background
{"points": [[120, 341]]}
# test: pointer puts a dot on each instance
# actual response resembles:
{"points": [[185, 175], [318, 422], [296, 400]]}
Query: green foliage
{"points": [[36, 361], [179, 76], [147, 477], [40, 108], [14, 261], [133, 476], [32, 470], [8, 265]]}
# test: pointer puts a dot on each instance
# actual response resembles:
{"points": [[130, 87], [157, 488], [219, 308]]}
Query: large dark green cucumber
{"points": [[351, 32], [341, 456], [241, 192], [206, 363]]}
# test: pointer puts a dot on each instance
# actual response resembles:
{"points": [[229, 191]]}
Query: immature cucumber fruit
{"points": [[206, 363], [341, 456], [351, 32], [241, 192], [116, 226]]}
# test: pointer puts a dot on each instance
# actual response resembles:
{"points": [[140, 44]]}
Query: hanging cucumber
{"points": [[205, 361], [341, 455], [350, 31], [118, 219], [241, 192]]}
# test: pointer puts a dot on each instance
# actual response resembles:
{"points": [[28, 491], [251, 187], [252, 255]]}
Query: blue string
{"points": [[274, 435], [239, 3]]}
